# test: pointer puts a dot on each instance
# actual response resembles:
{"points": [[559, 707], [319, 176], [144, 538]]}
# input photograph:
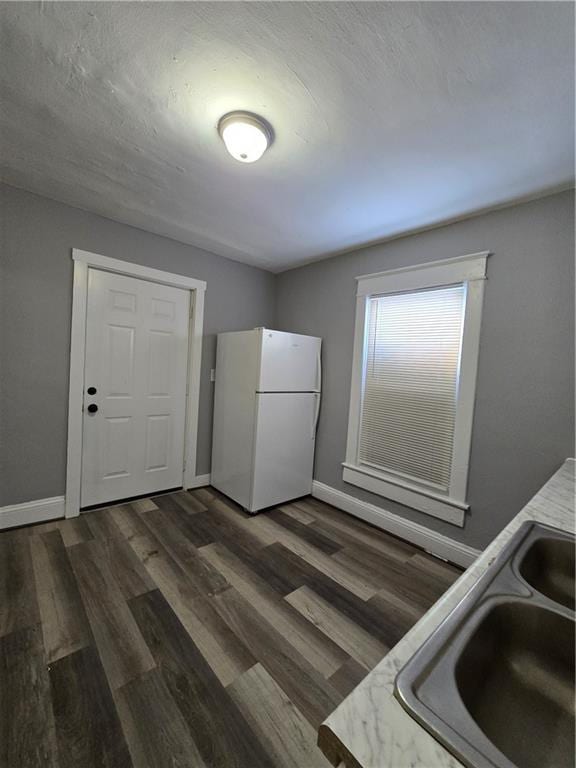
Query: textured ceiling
{"points": [[388, 116]]}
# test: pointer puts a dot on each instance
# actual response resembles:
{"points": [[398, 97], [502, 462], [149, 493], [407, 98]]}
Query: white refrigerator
{"points": [[266, 406]]}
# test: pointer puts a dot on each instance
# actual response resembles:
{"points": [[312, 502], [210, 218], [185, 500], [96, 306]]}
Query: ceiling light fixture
{"points": [[245, 135]]}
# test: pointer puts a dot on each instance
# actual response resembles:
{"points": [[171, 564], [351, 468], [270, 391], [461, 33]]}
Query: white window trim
{"points": [[470, 270], [83, 261]]}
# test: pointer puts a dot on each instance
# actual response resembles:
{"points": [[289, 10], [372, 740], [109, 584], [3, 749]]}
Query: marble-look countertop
{"points": [[370, 728]]}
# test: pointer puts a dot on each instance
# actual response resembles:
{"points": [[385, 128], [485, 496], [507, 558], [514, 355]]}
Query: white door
{"points": [[134, 387], [290, 362], [284, 447]]}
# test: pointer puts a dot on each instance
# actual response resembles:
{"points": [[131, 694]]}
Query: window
{"points": [[411, 383], [412, 397]]}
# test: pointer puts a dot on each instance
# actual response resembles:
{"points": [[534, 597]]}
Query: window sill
{"points": [[441, 507]]}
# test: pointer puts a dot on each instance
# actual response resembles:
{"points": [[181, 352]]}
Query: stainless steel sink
{"points": [[515, 676], [495, 682], [548, 566]]}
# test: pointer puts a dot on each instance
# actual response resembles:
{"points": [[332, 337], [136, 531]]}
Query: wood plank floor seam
{"points": [[177, 631]]}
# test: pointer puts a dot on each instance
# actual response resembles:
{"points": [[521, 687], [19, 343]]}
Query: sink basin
{"points": [[495, 682], [515, 678], [548, 566]]}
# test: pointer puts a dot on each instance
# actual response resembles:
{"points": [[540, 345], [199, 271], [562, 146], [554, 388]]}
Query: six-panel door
{"points": [[136, 360]]}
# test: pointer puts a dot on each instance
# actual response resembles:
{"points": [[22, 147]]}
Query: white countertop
{"points": [[370, 728]]}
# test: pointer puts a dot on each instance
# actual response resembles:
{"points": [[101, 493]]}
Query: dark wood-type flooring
{"points": [[179, 631]]}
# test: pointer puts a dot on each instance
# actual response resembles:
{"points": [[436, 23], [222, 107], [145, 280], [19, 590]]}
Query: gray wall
{"points": [[36, 239], [524, 415]]}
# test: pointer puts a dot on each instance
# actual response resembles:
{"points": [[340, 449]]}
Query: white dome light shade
{"points": [[246, 136]]}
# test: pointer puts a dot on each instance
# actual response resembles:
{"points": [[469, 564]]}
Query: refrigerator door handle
{"points": [[319, 371], [316, 415]]}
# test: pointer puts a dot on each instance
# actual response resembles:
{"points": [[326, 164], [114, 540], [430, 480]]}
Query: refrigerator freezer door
{"points": [[289, 363], [284, 448]]}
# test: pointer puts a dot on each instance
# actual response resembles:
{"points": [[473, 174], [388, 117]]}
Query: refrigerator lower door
{"points": [[284, 447]]}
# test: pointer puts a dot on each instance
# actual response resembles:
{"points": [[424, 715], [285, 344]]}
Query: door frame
{"points": [[83, 261]]}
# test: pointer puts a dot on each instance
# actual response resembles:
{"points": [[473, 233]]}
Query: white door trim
{"points": [[83, 260]]}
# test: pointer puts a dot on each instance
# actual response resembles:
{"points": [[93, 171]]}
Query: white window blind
{"points": [[410, 387]]}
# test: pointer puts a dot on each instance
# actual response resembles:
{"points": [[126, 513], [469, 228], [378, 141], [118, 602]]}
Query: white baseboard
{"points": [[32, 512], [199, 481], [432, 542]]}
